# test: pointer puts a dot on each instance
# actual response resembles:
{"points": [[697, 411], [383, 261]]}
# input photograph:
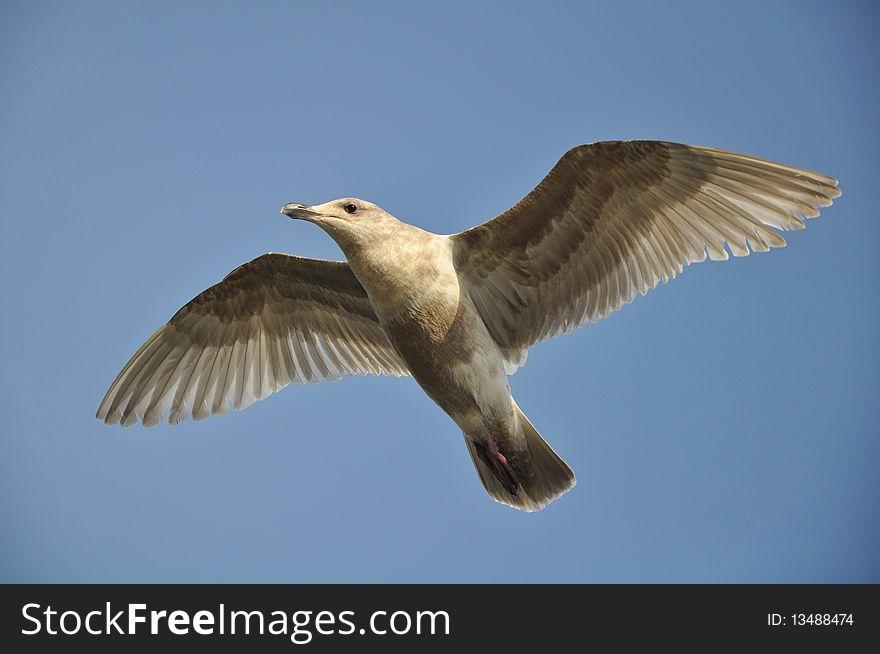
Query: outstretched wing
{"points": [[275, 320], [613, 219]]}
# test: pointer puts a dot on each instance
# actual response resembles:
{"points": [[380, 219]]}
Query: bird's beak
{"points": [[301, 211]]}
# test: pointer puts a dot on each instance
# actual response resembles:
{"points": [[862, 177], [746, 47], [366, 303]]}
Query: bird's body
{"points": [[459, 312], [436, 329]]}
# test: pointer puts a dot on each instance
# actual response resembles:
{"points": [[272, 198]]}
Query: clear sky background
{"points": [[723, 429]]}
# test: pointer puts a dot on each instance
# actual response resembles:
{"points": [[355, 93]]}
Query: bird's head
{"points": [[351, 222]]}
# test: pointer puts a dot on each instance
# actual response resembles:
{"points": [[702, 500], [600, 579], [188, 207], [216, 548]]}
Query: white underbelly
{"points": [[485, 379]]}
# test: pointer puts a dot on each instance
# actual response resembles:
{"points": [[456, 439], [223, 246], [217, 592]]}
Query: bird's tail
{"points": [[527, 479]]}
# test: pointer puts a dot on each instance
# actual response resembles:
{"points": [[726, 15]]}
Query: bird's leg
{"points": [[498, 464]]}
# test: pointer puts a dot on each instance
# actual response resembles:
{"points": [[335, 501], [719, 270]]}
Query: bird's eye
{"points": [[350, 208]]}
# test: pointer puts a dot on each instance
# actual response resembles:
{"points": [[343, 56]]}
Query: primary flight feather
{"points": [[459, 312]]}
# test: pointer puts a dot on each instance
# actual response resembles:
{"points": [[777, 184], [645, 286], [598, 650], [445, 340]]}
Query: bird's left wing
{"points": [[275, 320], [614, 218]]}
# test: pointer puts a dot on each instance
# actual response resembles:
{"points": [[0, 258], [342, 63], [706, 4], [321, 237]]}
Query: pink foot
{"points": [[499, 465]]}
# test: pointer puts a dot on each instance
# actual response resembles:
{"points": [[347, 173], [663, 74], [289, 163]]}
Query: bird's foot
{"points": [[499, 465]]}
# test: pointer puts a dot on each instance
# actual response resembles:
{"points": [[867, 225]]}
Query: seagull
{"points": [[459, 312]]}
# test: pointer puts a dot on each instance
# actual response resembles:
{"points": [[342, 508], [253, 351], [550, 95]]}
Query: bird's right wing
{"points": [[612, 219], [275, 320]]}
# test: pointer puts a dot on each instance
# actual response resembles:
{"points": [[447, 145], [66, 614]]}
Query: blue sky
{"points": [[723, 428]]}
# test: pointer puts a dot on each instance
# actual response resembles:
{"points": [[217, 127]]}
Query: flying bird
{"points": [[459, 312]]}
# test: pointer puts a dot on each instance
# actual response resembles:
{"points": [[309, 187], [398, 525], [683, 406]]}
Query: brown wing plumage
{"points": [[613, 219], [275, 320]]}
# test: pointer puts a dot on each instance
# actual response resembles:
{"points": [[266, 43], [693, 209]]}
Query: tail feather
{"points": [[540, 475]]}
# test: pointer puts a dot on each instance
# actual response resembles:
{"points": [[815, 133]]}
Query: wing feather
{"points": [[612, 219], [276, 320]]}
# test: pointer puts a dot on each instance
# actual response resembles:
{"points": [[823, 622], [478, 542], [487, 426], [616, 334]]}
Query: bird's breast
{"points": [[409, 276], [429, 327]]}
